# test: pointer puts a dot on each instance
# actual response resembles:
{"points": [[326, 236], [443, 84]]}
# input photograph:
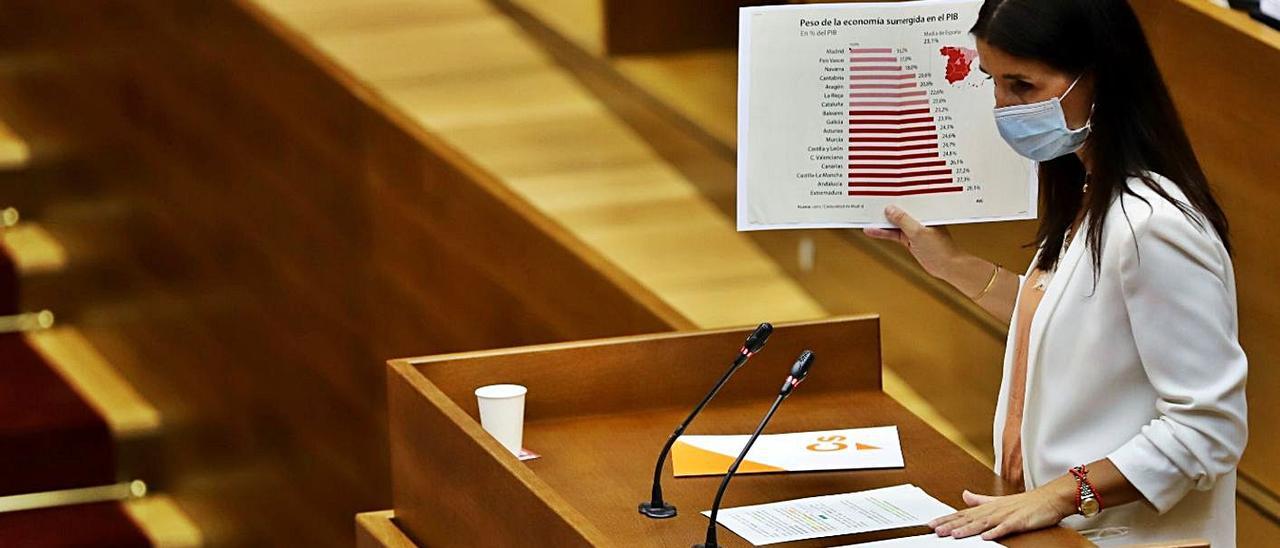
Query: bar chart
{"points": [[894, 137]]}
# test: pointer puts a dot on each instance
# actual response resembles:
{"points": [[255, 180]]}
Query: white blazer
{"points": [[1145, 369]]}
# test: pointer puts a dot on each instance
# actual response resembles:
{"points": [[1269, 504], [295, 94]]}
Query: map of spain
{"points": [[959, 62]]}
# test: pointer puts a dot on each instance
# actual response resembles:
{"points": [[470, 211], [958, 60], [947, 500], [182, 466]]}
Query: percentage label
{"points": [[910, 67], [938, 100], [961, 170], [954, 162], [946, 136], [928, 41], [936, 92], [900, 50], [942, 110], [962, 179], [926, 84], [949, 154], [945, 127]]}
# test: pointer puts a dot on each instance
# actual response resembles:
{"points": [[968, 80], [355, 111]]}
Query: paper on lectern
{"points": [[849, 449], [832, 515], [928, 540]]}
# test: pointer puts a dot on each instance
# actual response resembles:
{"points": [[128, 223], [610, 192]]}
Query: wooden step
{"points": [[126, 412], [42, 257], [70, 374], [50, 437], [26, 250], [121, 515], [163, 522], [14, 152], [33, 250], [89, 426]]}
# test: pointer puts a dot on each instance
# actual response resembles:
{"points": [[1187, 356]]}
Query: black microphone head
{"points": [[757, 338], [801, 367]]}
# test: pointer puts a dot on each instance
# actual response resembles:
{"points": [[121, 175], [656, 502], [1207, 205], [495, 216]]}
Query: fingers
{"points": [[947, 525], [939, 522], [899, 217], [974, 499], [977, 526], [998, 531], [965, 523], [891, 234]]}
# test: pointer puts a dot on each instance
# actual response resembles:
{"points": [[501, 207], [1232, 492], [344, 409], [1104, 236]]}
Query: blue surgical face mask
{"points": [[1039, 130]]}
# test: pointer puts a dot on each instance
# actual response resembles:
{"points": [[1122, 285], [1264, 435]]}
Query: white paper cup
{"points": [[502, 413]]}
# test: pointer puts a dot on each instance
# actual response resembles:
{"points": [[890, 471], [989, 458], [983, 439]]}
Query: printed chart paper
{"points": [[833, 515], [846, 108], [849, 449]]}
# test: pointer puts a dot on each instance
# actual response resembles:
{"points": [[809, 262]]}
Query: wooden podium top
{"points": [[599, 411]]}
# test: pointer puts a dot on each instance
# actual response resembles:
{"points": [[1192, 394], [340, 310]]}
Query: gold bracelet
{"points": [[990, 284]]}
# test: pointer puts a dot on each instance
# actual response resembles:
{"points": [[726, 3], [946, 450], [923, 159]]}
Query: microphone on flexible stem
{"points": [[798, 373], [655, 507]]}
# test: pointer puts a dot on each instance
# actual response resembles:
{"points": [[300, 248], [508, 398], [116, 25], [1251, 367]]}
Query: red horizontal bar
{"points": [[903, 76], [925, 173], [894, 130], [889, 112], [936, 181], [916, 156], [905, 192], [880, 68], [894, 139], [870, 50], [888, 94], [900, 148], [883, 86], [889, 103], [931, 163], [892, 121], [873, 59]]}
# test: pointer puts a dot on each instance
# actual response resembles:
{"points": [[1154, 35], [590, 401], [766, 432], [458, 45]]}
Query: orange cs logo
{"points": [[827, 444]]}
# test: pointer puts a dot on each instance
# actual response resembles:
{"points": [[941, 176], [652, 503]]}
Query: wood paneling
{"points": [[670, 25], [282, 234], [559, 147]]}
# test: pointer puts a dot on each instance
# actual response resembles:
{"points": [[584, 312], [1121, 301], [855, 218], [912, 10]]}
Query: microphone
{"points": [[798, 372], [655, 507]]}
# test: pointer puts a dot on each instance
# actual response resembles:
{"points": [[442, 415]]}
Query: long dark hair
{"points": [[1136, 130]]}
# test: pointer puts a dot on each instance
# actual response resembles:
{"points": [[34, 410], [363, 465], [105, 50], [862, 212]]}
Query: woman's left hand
{"points": [[995, 517]]}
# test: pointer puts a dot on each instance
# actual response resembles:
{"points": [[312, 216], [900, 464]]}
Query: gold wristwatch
{"points": [[1087, 502]]}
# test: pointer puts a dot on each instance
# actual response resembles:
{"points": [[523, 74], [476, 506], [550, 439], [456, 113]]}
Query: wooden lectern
{"points": [[599, 411]]}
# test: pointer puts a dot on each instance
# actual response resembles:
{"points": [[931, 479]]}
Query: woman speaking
{"points": [[1122, 404]]}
